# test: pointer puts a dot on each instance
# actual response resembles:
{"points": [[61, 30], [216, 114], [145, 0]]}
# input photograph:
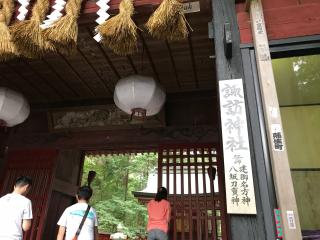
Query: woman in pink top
{"points": [[159, 212]]}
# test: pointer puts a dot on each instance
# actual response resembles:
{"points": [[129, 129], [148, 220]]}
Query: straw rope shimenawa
{"points": [[119, 33], [64, 32], [27, 34], [168, 21], [7, 48]]}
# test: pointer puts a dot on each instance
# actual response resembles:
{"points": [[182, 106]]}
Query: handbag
{"points": [[81, 224]]}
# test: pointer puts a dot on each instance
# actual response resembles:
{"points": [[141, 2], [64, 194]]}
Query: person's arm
{"points": [[26, 224], [27, 216], [96, 233], [61, 233], [168, 213], [62, 223]]}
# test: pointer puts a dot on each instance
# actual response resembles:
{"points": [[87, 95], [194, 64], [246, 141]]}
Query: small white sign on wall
{"points": [[277, 137], [191, 7], [291, 220], [236, 149]]}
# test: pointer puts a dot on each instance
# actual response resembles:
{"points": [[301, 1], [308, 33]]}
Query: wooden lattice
{"points": [[198, 201]]}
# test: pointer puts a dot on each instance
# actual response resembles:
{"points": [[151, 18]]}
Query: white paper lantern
{"points": [[14, 108], [139, 96]]}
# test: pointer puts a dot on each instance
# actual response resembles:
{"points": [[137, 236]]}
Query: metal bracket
{"points": [[227, 40]]}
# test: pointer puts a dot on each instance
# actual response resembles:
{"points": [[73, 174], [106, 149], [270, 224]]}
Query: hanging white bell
{"points": [[14, 108], [139, 96]]}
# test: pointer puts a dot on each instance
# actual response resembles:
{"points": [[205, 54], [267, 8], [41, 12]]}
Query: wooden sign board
{"points": [[104, 117], [191, 7], [236, 149]]}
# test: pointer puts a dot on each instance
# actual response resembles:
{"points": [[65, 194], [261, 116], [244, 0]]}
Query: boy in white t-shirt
{"points": [[71, 218], [16, 211]]}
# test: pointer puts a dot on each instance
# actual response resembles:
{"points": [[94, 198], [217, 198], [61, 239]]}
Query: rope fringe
{"points": [[168, 22], [119, 33], [7, 47]]}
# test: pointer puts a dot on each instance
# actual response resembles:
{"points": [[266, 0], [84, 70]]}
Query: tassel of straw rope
{"points": [[168, 21], [64, 32], [120, 32], [27, 34], [7, 47]]}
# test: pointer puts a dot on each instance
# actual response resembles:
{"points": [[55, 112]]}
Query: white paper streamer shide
{"points": [[103, 16], [23, 9], [236, 148], [55, 15]]}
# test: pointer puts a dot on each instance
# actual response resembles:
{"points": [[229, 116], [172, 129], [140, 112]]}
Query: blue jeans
{"points": [[157, 234]]}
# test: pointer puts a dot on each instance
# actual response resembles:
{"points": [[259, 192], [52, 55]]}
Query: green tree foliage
{"points": [[132, 215], [117, 177], [297, 79]]}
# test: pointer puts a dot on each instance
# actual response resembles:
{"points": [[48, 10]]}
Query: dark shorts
{"points": [[157, 234]]}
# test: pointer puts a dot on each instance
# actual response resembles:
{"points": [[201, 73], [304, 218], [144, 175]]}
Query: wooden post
{"points": [[278, 153], [244, 227]]}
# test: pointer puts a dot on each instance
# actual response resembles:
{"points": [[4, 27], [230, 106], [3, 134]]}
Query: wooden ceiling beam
{"points": [[83, 82], [171, 97], [193, 61], [101, 80], [39, 75], [4, 83], [157, 61], [105, 55], [57, 74], [173, 64], [10, 84], [30, 83], [132, 64], [153, 66]]}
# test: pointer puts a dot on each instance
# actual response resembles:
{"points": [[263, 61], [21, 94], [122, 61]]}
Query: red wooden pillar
{"points": [[39, 165]]}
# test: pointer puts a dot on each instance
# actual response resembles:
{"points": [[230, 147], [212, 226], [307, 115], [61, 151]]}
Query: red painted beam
{"points": [[283, 22], [142, 8], [91, 7]]}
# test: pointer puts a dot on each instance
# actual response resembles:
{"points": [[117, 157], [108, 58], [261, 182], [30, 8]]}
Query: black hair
{"points": [[161, 194], [84, 193], [23, 181]]}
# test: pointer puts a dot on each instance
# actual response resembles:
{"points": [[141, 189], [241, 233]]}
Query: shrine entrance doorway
{"points": [[193, 174], [194, 177]]}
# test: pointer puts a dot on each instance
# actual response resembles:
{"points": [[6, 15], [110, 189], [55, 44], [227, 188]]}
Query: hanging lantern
{"points": [[14, 108], [139, 96]]}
